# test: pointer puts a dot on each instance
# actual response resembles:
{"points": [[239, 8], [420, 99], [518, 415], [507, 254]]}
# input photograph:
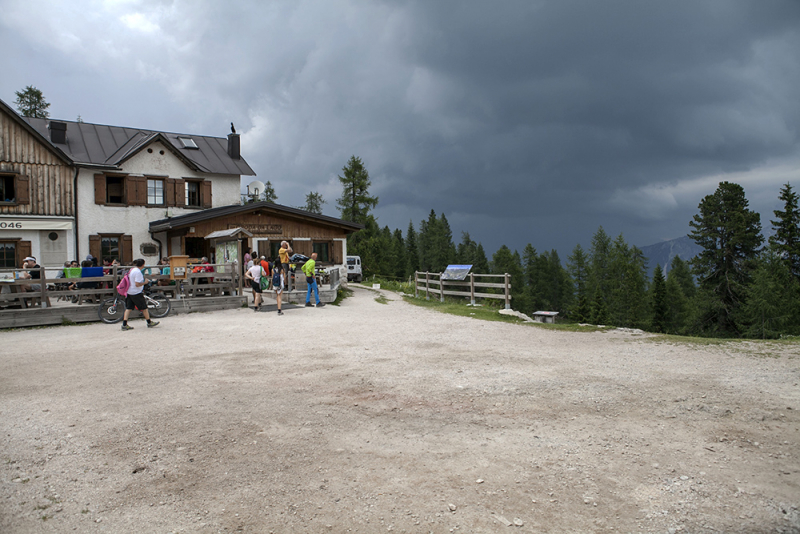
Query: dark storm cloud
{"points": [[521, 121]]}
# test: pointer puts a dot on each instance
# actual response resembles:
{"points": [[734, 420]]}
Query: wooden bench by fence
{"points": [[424, 280]]}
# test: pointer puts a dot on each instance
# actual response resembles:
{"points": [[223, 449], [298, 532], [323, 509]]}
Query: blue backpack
{"points": [[276, 278]]}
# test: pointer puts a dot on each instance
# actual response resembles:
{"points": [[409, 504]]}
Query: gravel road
{"points": [[372, 417]]}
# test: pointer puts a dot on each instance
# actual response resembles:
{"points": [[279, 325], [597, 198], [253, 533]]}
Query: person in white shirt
{"points": [[135, 299], [254, 274]]}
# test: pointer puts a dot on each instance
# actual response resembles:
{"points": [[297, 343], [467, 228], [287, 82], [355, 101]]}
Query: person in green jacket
{"points": [[308, 270]]}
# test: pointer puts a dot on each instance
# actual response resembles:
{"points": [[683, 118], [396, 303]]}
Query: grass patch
{"points": [[341, 294], [380, 299], [489, 312], [391, 285]]}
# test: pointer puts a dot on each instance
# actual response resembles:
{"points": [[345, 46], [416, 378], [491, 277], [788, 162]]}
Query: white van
{"points": [[354, 268]]}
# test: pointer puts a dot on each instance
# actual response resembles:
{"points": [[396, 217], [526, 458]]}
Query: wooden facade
{"points": [[276, 225], [43, 180]]}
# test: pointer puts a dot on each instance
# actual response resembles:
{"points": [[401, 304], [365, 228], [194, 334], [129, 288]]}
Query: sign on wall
{"points": [[20, 223], [260, 228]]}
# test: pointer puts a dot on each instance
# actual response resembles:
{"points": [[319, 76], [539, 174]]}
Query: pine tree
{"points": [[355, 203], [314, 202], [577, 264], [481, 263], [787, 230], [730, 235], [627, 282], [680, 292], [412, 253], [599, 257], [658, 299], [31, 103], [771, 308], [505, 261], [269, 193], [400, 258]]}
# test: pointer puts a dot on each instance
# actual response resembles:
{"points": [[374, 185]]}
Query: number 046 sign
{"points": [[36, 224]]}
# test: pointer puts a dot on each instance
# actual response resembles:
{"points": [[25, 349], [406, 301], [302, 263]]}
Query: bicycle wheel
{"points": [[158, 305], [111, 310]]}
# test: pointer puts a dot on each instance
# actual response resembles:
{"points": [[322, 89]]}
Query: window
{"points": [[115, 190], [109, 247], [8, 254], [155, 192], [322, 250], [193, 194], [188, 142], [7, 189]]}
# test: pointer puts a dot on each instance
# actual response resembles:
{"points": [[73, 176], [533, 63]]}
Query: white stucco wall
{"points": [[134, 220]]}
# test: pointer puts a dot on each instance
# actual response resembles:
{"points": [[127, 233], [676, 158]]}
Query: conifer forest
{"points": [[739, 286]]}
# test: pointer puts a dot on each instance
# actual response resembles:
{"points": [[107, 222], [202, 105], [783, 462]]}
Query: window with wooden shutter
{"points": [[180, 194], [23, 251], [127, 250], [22, 189], [169, 192], [136, 190], [100, 189], [206, 194], [94, 245]]}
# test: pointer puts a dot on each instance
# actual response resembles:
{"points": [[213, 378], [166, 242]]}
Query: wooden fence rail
{"points": [[424, 280], [18, 295]]}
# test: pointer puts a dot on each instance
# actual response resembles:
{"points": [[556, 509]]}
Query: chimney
{"points": [[58, 132], [234, 150]]}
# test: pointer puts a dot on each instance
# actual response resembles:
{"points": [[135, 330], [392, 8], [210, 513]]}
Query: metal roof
{"points": [[223, 211], [109, 146]]}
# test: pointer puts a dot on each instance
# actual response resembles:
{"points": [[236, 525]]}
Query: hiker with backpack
{"points": [[135, 283]]}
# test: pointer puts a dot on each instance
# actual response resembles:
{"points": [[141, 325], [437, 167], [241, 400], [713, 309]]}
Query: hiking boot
{"points": [[151, 324], [320, 304], [127, 327], [309, 305]]}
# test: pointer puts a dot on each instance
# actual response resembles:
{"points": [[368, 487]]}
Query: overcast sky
{"points": [[523, 121]]}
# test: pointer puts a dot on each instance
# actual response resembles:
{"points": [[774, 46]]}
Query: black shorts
{"points": [[256, 286], [135, 301]]}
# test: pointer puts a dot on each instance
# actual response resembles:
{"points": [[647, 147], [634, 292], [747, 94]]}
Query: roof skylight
{"points": [[188, 142]]}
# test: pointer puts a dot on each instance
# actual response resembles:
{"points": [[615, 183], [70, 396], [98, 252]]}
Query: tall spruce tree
{"points": [[730, 235], [771, 308], [356, 202], [505, 261], [599, 282], [31, 103], [658, 301], [412, 253], [627, 279], [399, 244], [314, 202], [786, 239], [680, 292], [269, 193], [578, 266]]}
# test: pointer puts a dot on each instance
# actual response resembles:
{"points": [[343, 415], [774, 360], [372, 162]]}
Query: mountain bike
{"points": [[112, 309]]}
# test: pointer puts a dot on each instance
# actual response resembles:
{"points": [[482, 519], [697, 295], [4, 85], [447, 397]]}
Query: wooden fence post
{"points": [[114, 282], [427, 285], [441, 288], [238, 275], [508, 291], [43, 286], [472, 288], [416, 281]]}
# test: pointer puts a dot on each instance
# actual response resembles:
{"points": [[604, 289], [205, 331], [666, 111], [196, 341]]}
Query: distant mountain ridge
{"points": [[662, 253]]}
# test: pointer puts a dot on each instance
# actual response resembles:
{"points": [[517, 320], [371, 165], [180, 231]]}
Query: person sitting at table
{"points": [[30, 263], [166, 271]]}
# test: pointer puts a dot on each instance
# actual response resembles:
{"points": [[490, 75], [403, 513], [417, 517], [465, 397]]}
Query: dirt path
{"points": [[375, 417]]}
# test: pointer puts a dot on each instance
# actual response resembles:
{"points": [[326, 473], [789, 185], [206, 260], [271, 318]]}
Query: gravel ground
{"points": [[374, 417]]}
